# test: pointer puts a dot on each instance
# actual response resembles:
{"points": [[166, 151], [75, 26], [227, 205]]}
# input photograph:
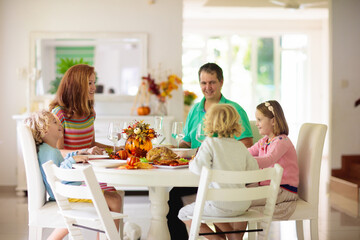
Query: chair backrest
{"points": [[309, 150], [35, 184], [256, 135], [91, 190], [206, 193]]}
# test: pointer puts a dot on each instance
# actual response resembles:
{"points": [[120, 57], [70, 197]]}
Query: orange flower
{"points": [[164, 88]]}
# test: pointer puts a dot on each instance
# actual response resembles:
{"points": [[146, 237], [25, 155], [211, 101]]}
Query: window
{"points": [[256, 69]]}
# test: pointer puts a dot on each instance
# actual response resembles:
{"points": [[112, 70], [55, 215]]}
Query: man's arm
{"points": [[184, 144], [248, 142]]}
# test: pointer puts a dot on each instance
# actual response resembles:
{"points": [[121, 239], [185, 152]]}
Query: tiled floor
{"points": [[333, 225]]}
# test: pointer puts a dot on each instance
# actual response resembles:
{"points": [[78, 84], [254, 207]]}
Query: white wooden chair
{"points": [[309, 150], [77, 218], [269, 192], [42, 213], [256, 135]]}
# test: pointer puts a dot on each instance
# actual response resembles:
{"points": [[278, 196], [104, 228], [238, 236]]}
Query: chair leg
{"points": [[300, 229], [252, 235], [121, 221], [314, 230], [35, 233]]}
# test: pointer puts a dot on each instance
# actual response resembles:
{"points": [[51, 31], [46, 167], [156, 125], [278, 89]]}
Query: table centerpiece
{"points": [[139, 136]]}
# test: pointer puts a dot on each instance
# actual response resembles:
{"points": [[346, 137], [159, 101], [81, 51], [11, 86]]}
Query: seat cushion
{"points": [[304, 210]]}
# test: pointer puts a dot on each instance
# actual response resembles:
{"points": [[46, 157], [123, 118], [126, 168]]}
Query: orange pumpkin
{"points": [[123, 154], [143, 110], [132, 160], [137, 147]]}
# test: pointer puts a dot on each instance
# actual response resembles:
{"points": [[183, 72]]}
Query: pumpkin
{"points": [[137, 147], [132, 160], [123, 154], [143, 110]]}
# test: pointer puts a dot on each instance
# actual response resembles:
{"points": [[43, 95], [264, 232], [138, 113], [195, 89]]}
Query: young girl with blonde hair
{"points": [[47, 130], [221, 151]]}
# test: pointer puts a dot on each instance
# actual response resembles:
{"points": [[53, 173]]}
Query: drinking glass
{"points": [[200, 135], [177, 132], [158, 128], [114, 133]]}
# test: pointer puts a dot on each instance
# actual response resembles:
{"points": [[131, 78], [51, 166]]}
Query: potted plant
{"points": [[61, 68]]}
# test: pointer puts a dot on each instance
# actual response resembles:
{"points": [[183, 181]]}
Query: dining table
{"points": [[159, 182]]}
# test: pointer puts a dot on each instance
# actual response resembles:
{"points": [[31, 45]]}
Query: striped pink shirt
{"points": [[78, 133]]}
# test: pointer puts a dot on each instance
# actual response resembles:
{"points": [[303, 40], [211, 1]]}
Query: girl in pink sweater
{"points": [[276, 147]]}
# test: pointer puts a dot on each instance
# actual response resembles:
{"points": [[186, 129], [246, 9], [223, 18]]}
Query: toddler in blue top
{"points": [[46, 130]]}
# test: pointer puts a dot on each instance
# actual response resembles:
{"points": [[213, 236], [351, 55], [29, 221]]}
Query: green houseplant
{"points": [[61, 68]]}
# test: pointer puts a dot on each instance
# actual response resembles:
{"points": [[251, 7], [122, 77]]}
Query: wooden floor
{"points": [[333, 225]]}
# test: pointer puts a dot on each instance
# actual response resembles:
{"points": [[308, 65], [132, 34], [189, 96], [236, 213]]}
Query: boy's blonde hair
{"points": [[222, 120], [38, 122], [272, 109]]}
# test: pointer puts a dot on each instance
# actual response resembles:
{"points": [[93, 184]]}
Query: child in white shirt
{"points": [[220, 151]]}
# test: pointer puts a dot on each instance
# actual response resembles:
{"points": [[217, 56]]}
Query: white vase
{"points": [[186, 111], [161, 108]]}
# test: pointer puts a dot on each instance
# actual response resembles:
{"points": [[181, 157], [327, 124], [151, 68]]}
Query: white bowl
{"points": [[184, 152]]}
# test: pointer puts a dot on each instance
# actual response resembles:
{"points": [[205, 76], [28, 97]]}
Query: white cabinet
{"points": [[101, 128]]}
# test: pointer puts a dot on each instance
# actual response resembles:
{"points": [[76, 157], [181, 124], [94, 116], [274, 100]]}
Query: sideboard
{"points": [[101, 128]]}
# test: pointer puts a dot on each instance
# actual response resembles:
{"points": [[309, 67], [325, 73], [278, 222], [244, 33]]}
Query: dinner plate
{"points": [[91, 157], [106, 163], [171, 167]]}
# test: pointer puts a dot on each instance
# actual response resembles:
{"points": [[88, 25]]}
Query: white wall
{"points": [[345, 79], [162, 22]]}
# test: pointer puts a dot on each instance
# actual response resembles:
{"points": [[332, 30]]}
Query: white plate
{"points": [[171, 167], [98, 156], [106, 163]]}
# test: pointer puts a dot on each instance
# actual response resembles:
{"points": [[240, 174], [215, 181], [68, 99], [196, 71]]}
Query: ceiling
{"points": [[252, 3], [251, 9]]}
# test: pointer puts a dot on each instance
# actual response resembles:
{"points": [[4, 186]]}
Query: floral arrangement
{"points": [[163, 89], [140, 130], [189, 97]]}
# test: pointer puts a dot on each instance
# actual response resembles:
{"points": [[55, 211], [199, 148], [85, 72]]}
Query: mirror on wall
{"points": [[120, 60]]}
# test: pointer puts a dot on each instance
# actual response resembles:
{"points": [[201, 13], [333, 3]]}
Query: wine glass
{"points": [[200, 135], [158, 128], [114, 133], [177, 132]]}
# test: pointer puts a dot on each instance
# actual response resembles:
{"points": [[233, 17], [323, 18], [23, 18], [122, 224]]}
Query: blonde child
{"points": [[221, 151], [47, 130]]}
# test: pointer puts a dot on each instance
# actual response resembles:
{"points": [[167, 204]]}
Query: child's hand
{"points": [[95, 151], [81, 158]]}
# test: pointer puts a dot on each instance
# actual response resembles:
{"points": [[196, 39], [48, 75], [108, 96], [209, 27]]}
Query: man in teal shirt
{"points": [[211, 80]]}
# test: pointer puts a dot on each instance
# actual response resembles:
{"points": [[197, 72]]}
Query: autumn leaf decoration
{"points": [[140, 130]]}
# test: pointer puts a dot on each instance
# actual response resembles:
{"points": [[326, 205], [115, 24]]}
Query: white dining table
{"points": [[159, 182]]}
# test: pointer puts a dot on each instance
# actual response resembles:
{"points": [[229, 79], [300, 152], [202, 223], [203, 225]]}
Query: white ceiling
{"points": [[252, 3], [250, 9]]}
